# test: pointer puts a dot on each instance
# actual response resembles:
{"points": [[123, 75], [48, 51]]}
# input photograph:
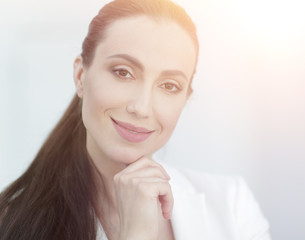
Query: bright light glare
{"points": [[269, 21], [274, 18]]}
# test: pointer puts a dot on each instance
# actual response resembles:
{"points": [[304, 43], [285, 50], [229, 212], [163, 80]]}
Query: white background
{"points": [[246, 116]]}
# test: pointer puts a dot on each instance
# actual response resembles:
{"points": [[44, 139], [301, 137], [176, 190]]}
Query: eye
{"points": [[123, 73], [171, 87]]}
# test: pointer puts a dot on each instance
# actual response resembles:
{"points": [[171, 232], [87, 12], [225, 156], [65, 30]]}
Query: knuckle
{"points": [[120, 179], [146, 161], [134, 181], [124, 179], [158, 165], [116, 178], [143, 188], [158, 171]]}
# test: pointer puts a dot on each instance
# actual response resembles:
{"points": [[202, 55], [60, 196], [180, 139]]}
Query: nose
{"points": [[140, 104]]}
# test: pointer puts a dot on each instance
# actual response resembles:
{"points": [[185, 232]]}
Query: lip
{"points": [[131, 132]]}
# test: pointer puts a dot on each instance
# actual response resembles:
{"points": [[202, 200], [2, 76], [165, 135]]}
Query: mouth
{"points": [[130, 132]]}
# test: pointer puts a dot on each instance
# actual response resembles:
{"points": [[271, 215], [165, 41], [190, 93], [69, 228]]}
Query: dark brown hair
{"points": [[55, 197]]}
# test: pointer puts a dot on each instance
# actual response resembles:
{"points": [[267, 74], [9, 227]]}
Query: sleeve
{"points": [[251, 223]]}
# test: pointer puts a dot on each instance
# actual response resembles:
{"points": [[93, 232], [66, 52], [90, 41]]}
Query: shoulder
{"points": [[199, 181], [227, 198]]}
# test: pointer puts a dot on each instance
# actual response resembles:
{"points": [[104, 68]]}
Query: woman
{"points": [[94, 177]]}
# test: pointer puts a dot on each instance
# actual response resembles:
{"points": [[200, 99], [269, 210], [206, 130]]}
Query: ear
{"points": [[79, 75]]}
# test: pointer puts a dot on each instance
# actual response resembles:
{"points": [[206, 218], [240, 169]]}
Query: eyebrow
{"points": [[130, 59], [139, 65], [174, 73]]}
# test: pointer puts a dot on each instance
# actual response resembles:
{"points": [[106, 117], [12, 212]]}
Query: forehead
{"points": [[156, 43]]}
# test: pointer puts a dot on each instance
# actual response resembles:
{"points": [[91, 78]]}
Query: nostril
{"points": [[141, 106]]}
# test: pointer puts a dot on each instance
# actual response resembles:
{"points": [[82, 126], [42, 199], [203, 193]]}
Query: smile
{"points": [[130, 132]]}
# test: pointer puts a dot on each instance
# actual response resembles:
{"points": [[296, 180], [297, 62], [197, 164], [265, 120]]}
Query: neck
{"points": [[104, 175], [104, 170], [105, 206]]}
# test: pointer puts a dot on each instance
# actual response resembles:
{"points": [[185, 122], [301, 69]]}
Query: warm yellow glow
{"points": [[275, 21]]}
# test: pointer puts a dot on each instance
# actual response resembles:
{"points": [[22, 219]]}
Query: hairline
{"points": [[158, 18]]}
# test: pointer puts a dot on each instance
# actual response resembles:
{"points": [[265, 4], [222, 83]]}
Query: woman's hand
{"points": [[143, 197]]}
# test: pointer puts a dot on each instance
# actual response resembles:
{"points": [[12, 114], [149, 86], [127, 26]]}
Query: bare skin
{"points": [[143, 203], [142, 80]]}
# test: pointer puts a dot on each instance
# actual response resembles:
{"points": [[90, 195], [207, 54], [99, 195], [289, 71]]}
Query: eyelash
{"points": [[120, 70], [178, 88]]}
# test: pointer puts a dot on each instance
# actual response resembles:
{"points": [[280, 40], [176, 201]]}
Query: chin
{"points": [[125, 156], [129, 156]]}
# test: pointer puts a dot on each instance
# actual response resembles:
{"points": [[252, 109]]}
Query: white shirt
{"points": [[212, 207]]}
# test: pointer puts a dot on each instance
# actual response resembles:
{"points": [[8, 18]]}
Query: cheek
{"points": [[168, 113], [102, 95], [98, 97]]}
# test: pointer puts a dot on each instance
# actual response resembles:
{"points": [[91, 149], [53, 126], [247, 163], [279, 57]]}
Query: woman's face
{"points": [[135, 88]]}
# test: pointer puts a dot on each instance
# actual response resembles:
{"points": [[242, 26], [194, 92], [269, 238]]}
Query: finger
{"points": [[144, 173], [167, 203], [162, 192], [127, 182], [144, 162]]}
